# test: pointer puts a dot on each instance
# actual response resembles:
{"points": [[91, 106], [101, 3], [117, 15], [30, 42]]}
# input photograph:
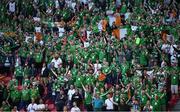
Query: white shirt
{"points": [[160, 73], [70, 93], [38, 29], [68, 3], [150, 73], [12, 6], [109, 104], [134, 28], [86, 44], [111, 19], [100, 26], [90, 5], [161, 85], [61, 31], [27, 38], [171, 51], [56, 4], [88, 34], [42, 70], [17, 62], [34, 38], [49, 10], [40, 107], [166, 48], [127, 15], [41, 42], [32, 107], [139, 73], [97, 67], [75, 109], [73, 4], [84, 1], [38, 19], [56, 62], [173, 60]]}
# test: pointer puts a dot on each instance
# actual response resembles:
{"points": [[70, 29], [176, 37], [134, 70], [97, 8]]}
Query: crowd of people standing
{"points": [[89, 55]]}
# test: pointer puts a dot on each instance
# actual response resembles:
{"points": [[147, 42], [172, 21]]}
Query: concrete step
{"points": [[176, 107]]}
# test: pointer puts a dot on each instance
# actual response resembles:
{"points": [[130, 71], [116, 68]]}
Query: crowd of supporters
{"points": [[89, 55]]}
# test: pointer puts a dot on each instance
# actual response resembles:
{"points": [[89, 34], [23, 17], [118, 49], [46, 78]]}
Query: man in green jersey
{"points": [[174, 83], [25, 97], [19, 73]]}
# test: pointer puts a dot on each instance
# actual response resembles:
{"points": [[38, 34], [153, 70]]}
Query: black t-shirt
{"points": [[60, 102], [77, 98]]}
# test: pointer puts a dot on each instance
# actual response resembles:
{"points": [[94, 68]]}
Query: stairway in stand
{"points": [[177, 106]]}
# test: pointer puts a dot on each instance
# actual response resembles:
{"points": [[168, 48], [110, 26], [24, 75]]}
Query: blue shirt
{"points": [[97, 103]]}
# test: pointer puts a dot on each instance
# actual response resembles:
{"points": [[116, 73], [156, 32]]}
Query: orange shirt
{"points": [[118, 20], [116, 33], [101, 77], [38, 36], [104, 24]]}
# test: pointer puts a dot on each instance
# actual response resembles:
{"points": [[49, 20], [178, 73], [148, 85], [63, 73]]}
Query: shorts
{"points": [[174, 89]]}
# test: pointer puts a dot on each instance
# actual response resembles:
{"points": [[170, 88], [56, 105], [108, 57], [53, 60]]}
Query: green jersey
{"points": [[143, 58], [79, 80], [18, 71], [5, 108], [123, 9], [89, 80], [103, 95], [144, 99], [117, 98], [174, 79], [86, 56], [13, 83], [66, 14], [26, 71], [75, 59], [156, 105], [106, 70], [38, 57], [88, 98], [15, 95], [25, 95], [34, 92], [74, 72], [61, 80], [26, 82], [101, 56], [124, 68], [124, 95], [163, 99]]}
